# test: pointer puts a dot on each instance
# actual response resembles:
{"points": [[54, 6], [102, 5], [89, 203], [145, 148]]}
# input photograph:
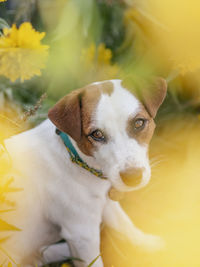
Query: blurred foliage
{"points": [[113, 29], [125, 28]]}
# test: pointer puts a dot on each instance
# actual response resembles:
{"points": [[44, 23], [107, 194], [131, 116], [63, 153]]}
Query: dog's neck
{"points": [[91, 161]]}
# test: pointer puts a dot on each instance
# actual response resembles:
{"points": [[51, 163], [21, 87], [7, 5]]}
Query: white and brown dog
{"points": [[109, 128]]}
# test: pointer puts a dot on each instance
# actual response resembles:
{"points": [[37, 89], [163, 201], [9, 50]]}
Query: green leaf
{"points": [[87, 10], [4, 226], [93, 261], [3, 24]]}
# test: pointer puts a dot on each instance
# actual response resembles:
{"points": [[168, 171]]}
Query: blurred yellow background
{"points": [[169, 206]]}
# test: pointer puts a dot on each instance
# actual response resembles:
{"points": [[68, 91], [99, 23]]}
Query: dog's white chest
{"points": [[63, 188]]}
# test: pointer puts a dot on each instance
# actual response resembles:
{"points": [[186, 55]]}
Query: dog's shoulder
{"points": [[30, 137], [31, 142]]}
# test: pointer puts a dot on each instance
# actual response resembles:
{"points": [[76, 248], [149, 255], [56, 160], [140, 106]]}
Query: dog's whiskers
{"points": [[156, 163], [157, 160], [150, 187]]}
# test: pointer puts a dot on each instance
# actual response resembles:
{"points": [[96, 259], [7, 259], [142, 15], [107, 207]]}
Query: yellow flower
{"points": [[3, 0], [100, 54], [21, 53], [104, 54], [65, 265], [97, 61], [88, 54]]}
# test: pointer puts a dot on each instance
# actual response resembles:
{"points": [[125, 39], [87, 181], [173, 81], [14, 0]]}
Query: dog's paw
{"points": [[152, 243]]}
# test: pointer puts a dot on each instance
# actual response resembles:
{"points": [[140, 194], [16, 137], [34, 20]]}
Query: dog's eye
{"points": [[139, 124], [97, 135]]}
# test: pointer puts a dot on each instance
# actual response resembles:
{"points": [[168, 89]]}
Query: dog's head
{"points": [[113, 126]]}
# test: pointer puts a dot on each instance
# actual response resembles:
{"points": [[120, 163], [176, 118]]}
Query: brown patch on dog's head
{"points": [[154, 95], [150, 92], [144, 135], [66, 114], [73, 114], [151, 97]]}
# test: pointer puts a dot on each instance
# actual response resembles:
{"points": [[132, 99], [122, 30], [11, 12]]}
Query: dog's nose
{"points": [[132, 177]]}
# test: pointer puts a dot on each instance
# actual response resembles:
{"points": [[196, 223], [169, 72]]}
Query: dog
{"points": [[66, 182]]}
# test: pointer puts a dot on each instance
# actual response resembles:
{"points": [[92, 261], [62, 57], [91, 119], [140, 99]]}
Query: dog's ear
{"points": [[153, 95], [66, 114]]}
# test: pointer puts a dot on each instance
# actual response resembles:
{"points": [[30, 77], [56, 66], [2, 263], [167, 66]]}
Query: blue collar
{"points": [[75, 156]]}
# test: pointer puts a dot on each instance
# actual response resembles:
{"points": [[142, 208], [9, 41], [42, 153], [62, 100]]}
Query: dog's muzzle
{"points": [[132, 177]]}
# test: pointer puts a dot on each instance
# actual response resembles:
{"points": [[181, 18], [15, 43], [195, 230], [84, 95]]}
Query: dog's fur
{"points": [[61, 200]]}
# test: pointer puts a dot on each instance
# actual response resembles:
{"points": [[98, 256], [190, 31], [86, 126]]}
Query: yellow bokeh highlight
{"points": [[173, 29], [181, 39], [169, 206]]}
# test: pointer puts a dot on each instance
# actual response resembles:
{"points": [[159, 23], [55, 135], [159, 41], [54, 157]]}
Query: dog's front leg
{"points": [[115, 217], [84, 245]]}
